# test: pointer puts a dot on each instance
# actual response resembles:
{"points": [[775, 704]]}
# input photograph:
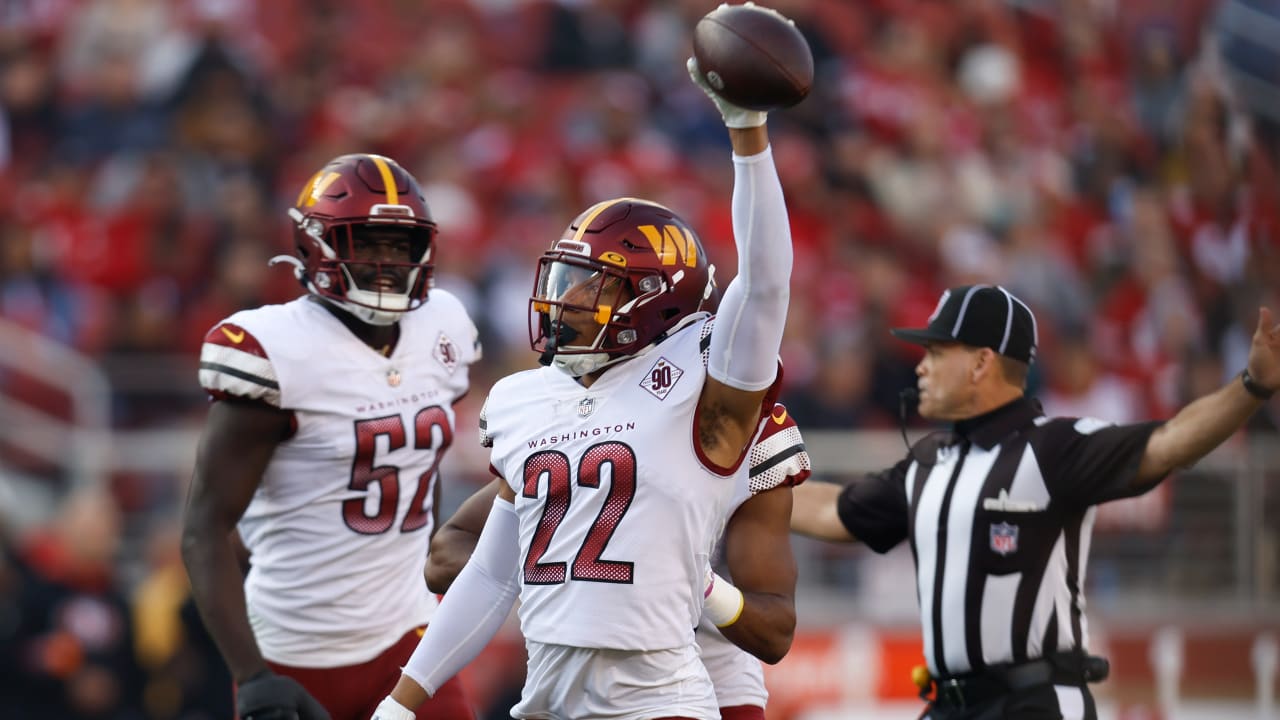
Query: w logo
{"points": [[672, 244]]}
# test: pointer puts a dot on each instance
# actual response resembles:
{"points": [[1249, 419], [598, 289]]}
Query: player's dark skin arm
{"points": [[435, 504], [757, 551], [238, 441], [454, 542]]}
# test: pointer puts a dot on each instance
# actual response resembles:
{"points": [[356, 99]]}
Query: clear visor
{"points": [[561, 282]]}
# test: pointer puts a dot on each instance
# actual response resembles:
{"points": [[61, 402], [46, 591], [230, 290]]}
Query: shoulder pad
{"points": [[704, 342], [485, 440], [778, 456], [233, 362]]}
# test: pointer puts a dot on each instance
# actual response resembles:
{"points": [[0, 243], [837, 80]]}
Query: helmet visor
{"points": [[578, 293], [580, 284]]}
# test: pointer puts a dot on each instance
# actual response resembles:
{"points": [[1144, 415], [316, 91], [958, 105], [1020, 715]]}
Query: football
{"points": [[753, 56]]}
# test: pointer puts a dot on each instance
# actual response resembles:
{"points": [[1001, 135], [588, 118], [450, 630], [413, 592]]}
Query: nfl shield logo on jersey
{"points": [[661, 378], [393, 377], [446, 352], [1004, 538], [586, 406]]}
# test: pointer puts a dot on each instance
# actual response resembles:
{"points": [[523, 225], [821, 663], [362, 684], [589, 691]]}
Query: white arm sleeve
{"points": [[475, 606], [753, 312]]}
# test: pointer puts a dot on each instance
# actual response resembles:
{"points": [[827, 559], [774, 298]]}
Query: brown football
{"points": [[753, 56]]}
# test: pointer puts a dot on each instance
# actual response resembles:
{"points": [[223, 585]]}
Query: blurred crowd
{"points": [[1082, 153]]}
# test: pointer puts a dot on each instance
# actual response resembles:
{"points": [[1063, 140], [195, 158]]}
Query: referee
{"points": [[999, 510]]}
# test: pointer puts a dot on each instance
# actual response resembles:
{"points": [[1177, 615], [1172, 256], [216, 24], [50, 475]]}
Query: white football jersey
{"points": [[618, 513], [339, 526]]}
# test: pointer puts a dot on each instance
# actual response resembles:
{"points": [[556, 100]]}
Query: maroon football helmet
{"points": [[634, 265], [351, 200]]}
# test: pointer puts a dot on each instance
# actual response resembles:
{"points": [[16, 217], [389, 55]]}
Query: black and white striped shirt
{"points": [[999, 514]]}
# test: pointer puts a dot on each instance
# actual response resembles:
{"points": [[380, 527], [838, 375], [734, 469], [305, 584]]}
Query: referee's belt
{"points": [[976, 688]]}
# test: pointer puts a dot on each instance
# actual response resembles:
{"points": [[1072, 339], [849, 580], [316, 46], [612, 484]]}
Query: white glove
{"points": [[389, 709], [734, 116]]}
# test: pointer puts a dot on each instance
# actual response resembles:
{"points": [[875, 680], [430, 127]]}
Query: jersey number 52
{"points": [[364, 473]]}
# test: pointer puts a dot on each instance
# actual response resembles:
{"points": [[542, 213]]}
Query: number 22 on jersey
{"points": [[555, 469]]}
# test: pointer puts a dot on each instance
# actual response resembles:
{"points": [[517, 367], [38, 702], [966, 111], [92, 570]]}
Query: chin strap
{"points": [[562, 336], [574, 365]]}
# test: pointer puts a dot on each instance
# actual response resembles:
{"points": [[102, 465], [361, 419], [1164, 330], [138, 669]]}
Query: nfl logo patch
{"points": [[586, 406], [1004, 538], [393, 377], [661, 378], [446, 352]]}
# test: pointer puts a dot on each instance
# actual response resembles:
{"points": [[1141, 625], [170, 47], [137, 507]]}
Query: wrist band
{"points": [[1253, 387], [390, 709], [723, 602]]}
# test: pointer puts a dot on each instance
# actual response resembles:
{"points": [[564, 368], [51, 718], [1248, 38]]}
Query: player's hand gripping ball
{"points": [[753, 57]]}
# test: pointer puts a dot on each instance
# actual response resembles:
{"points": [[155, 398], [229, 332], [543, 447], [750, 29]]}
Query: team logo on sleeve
{"points": [[446, 352], [1004, 538], [661, 378]]}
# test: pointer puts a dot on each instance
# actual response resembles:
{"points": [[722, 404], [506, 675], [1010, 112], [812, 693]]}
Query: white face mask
{"points": [[579, 365], [368, 314], [395, 305]]}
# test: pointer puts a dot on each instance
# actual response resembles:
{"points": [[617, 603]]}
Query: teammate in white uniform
{"points": [[758, 534], [620, 459], [331, 415]]}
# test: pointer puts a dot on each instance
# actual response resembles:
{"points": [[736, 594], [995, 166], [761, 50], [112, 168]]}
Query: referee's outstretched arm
{"points": [[814, 512], [1208, 421]]}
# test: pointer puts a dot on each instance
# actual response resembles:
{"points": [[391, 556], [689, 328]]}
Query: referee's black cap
{"points": [[981, 316]]}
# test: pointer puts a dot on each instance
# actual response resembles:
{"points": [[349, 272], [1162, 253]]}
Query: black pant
{"points": [[1039, 702]]}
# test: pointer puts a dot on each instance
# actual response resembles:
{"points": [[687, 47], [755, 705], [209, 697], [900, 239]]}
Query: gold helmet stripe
{"points": [[595, 211], [315, 187], [307, 187], [388, 180]]}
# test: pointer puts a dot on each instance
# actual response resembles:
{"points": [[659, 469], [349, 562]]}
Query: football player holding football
{"points": [[330, 416], [619, 462], [754, 552]]}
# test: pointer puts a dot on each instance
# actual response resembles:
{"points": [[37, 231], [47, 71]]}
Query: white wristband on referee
{"points": [[723, 602], [389, 709]]}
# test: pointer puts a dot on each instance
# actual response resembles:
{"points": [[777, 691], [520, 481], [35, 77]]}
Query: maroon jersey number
{"points": [[364, 471], [555, 467]]}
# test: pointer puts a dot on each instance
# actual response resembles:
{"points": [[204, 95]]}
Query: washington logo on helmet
{"points": [[672, 244]]}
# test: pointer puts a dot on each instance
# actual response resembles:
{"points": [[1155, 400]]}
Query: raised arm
{"points": [[1204, 424], [742, 364]]}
